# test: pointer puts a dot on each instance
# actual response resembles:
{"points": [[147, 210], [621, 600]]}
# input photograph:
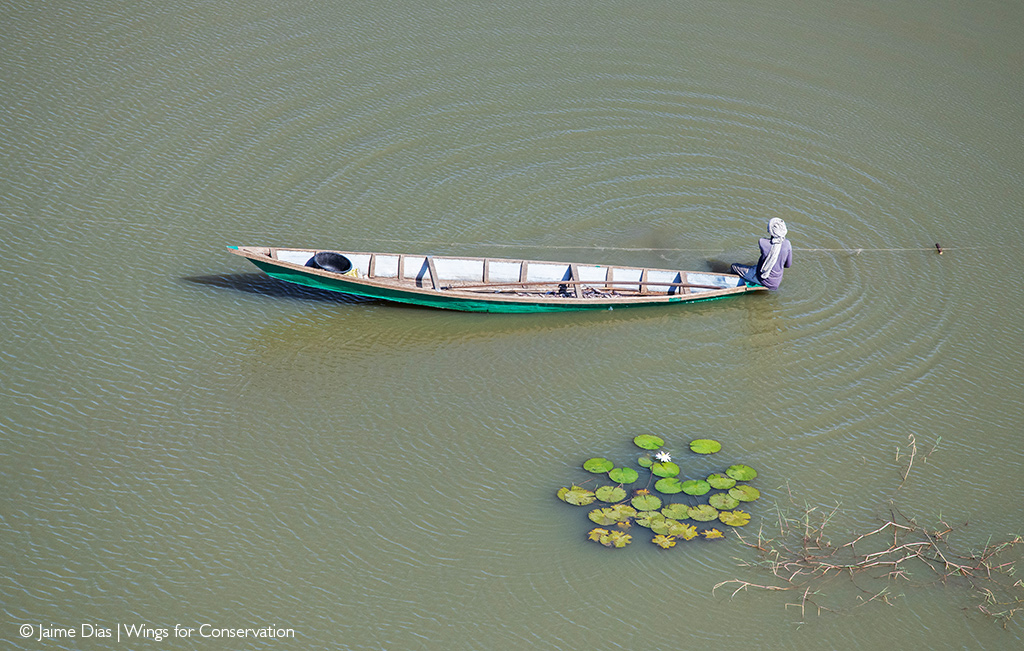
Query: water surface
{"points": [[185, 441]]}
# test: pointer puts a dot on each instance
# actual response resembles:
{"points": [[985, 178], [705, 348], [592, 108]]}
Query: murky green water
{"points": [[186, 442]]}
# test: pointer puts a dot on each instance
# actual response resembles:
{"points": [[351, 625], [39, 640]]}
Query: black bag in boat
{"points": [[330, 261]]}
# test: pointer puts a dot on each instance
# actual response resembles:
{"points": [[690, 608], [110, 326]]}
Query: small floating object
{"points": [[938, 249]]}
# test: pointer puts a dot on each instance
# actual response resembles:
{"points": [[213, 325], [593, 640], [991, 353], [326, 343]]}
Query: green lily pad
{"points": [[663, 527], [645, 461], [648, 518], [598, 465], [646, 502], [576, 496], [668, 485], [740, 472], [610, 493], [734, 518], [703, 513], [745, 493], [723, 501], [648, 442], [665, 469], [676, 511], [612, 514], [695, 487], [721, 482], [674, 528], [705, 446], [623, 475], [712, 534], [602, 516], [624, 511]]}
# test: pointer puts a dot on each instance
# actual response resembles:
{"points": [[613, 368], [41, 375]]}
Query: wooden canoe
{"points": [[490, 284]]}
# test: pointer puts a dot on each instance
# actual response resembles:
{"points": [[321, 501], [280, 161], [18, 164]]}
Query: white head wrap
{"points": [[777, 232]]}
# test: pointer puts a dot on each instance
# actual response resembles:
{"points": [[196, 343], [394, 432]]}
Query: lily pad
{"points": [[612, 514], [711, 534], [645, 461], [721, 482], [685, 531], [623, 475], [665, 469], [577, 496], [676, 511], [745, 493], [695, 487], [646, 502], [648, 518], [598, 465], [610, 494], [734, 518], [602, 516], [723, 501], [648, 442], [610, 538], [664, 527], [668, 485], [703, 513], [705, 446], [740, 472], [665, 542], [674, 528]]}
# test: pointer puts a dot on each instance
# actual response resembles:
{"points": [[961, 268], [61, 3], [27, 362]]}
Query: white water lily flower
{"points": [[663, 457]]}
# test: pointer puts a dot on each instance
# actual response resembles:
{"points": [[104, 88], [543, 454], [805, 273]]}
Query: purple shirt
{"points": [[774, 277]]}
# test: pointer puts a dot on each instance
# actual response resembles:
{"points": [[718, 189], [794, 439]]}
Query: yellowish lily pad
{"points": [[665, 542], [734, 518], [646, 502], [676, 511], [703, 513], [577, 496], [723, 501], [610, 494]]}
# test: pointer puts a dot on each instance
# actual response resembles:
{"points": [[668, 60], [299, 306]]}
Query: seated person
{"points": [[776, 254]]}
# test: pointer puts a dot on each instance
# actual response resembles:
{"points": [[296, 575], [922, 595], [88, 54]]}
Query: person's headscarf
{"points": [[777, 232]]}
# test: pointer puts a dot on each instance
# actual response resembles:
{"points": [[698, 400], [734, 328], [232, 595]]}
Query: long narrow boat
{"points": [[490, 284]]}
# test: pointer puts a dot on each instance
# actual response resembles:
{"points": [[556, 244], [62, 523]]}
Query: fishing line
{"points": [[936, 248]]}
